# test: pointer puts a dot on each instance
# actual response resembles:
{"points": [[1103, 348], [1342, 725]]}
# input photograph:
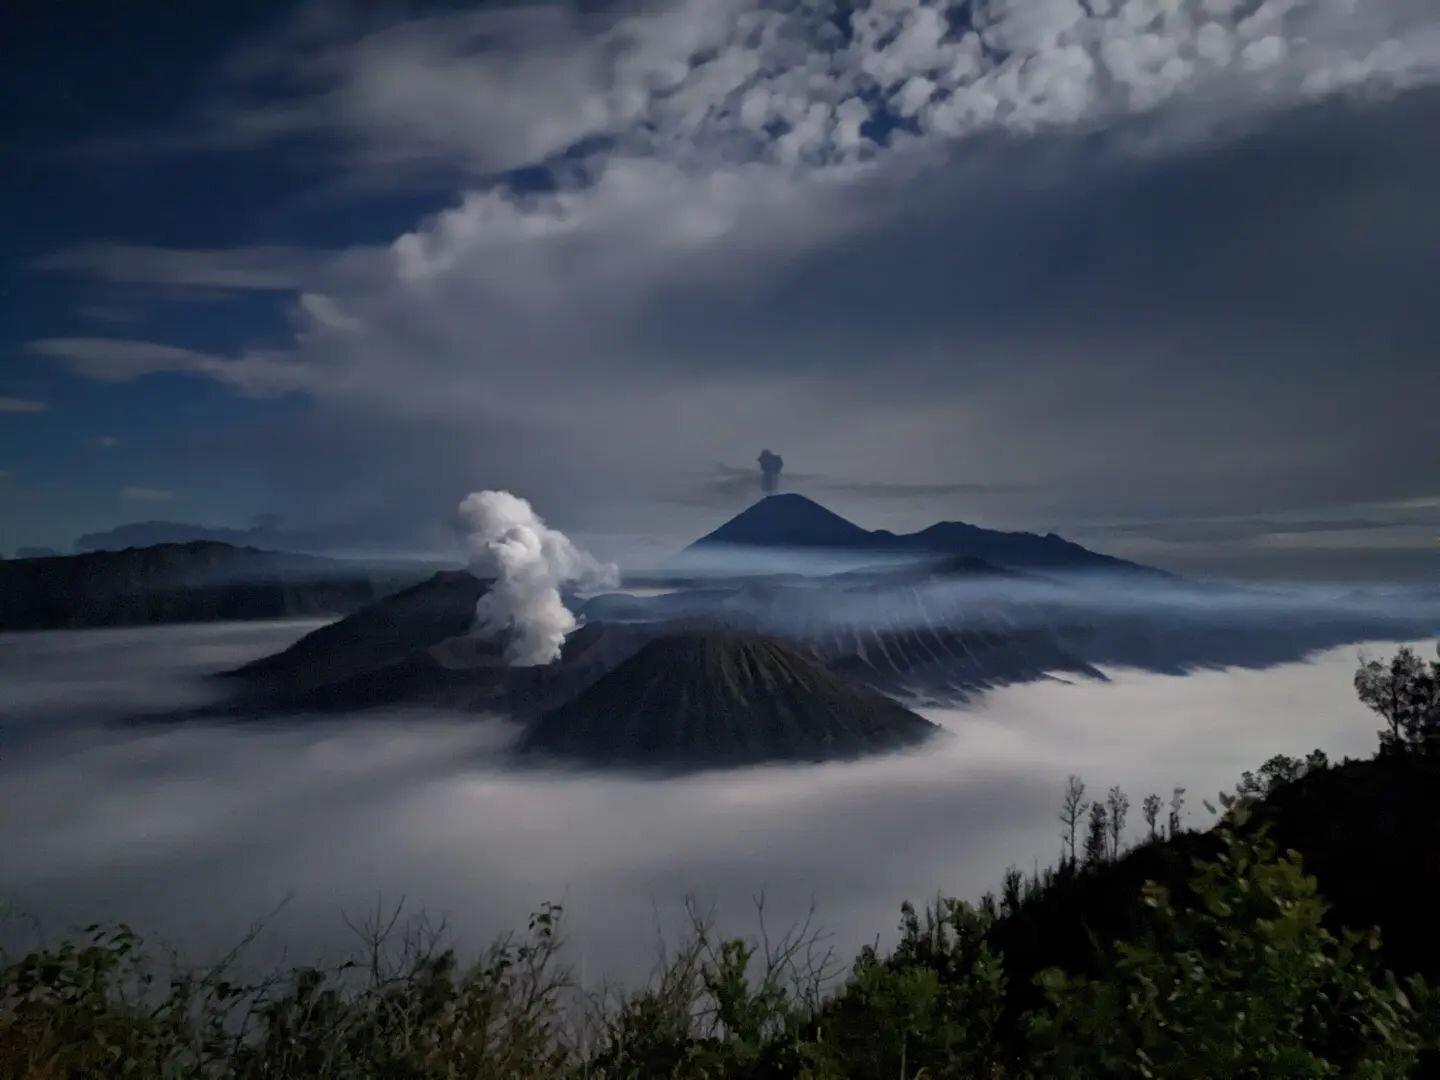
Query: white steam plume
{"points": [[529, 561]]}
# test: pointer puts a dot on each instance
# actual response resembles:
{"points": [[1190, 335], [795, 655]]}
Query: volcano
{"points": [[390, 631], [789, 520], [793, 522], [696, 700]]}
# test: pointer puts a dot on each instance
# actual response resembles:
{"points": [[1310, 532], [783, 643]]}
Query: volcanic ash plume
{"points": [[770, 466], [529, 561]]}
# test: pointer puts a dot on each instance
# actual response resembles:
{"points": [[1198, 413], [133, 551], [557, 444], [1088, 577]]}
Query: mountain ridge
{"points": [[791, 521], [198, 581], [377, 636]]}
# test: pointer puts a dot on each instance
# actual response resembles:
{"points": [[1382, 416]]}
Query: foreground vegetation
{"points": [[1294, 939]]}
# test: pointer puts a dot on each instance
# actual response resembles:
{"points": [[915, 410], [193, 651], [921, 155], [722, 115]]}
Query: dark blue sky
{"points": [[97, 97]]}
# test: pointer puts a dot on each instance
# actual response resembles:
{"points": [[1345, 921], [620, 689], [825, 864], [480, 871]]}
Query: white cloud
{"points": [[143, 822], [147, 494], [700, 80], [22, 405], [264, 268], [722, 116], [123, 360], [1423, 502]]}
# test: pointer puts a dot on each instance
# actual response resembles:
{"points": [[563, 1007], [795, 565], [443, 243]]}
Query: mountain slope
{"points": [[374, 638], [415, 649], [1365, 829], [789, 521], [794, 522], [707, 699], [1014, 549], [194, 582]]}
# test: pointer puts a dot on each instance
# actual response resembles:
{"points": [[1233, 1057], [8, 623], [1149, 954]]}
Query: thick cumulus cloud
{"points": [[702, 80], [1091, 256], [529, 562]]}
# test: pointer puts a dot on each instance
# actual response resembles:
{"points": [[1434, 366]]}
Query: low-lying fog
{"points": [[194, 832]]}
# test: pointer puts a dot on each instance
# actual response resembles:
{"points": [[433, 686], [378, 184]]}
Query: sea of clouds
{"points": [[193, 832]]}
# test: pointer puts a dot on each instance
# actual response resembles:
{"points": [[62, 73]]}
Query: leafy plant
{"points": [[1247, 982]]}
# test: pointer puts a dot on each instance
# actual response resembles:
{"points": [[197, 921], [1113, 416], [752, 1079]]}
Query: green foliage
{"points": [[1247, 982], [932, 1008], [720, 1008], [101, 1011], [496, 1017], [60, 1014]]}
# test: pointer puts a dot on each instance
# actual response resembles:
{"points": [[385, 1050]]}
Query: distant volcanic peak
{"points": [[791, 521], [715, 698], [788, 520]]}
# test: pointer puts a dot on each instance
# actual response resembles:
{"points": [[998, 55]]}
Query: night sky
{"points": [[1160, 275]]}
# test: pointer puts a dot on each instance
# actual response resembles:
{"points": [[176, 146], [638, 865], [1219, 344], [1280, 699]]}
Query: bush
{"points": [[1246, 983]]}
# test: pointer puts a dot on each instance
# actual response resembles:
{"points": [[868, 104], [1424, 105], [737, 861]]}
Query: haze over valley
{"points": [[198, 831]]}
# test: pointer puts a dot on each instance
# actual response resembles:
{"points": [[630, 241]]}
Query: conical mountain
{"points": [[789, 520], [709, 699]]}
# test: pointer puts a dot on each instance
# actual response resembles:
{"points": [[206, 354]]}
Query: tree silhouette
{"points": [[1177, 808], [1097, 839], [1071, 810], [1150, 810], [1278, 771], [1118, 805], [1406, 694]]}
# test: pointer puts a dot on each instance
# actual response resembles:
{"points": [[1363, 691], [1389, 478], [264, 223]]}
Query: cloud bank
{"points": [[193, 833]]}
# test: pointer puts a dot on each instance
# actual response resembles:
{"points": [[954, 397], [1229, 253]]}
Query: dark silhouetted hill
{"points": [[194, 582], [150, 533], [708, 699], [415, 648], [1368, 830], [376, 637]]}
